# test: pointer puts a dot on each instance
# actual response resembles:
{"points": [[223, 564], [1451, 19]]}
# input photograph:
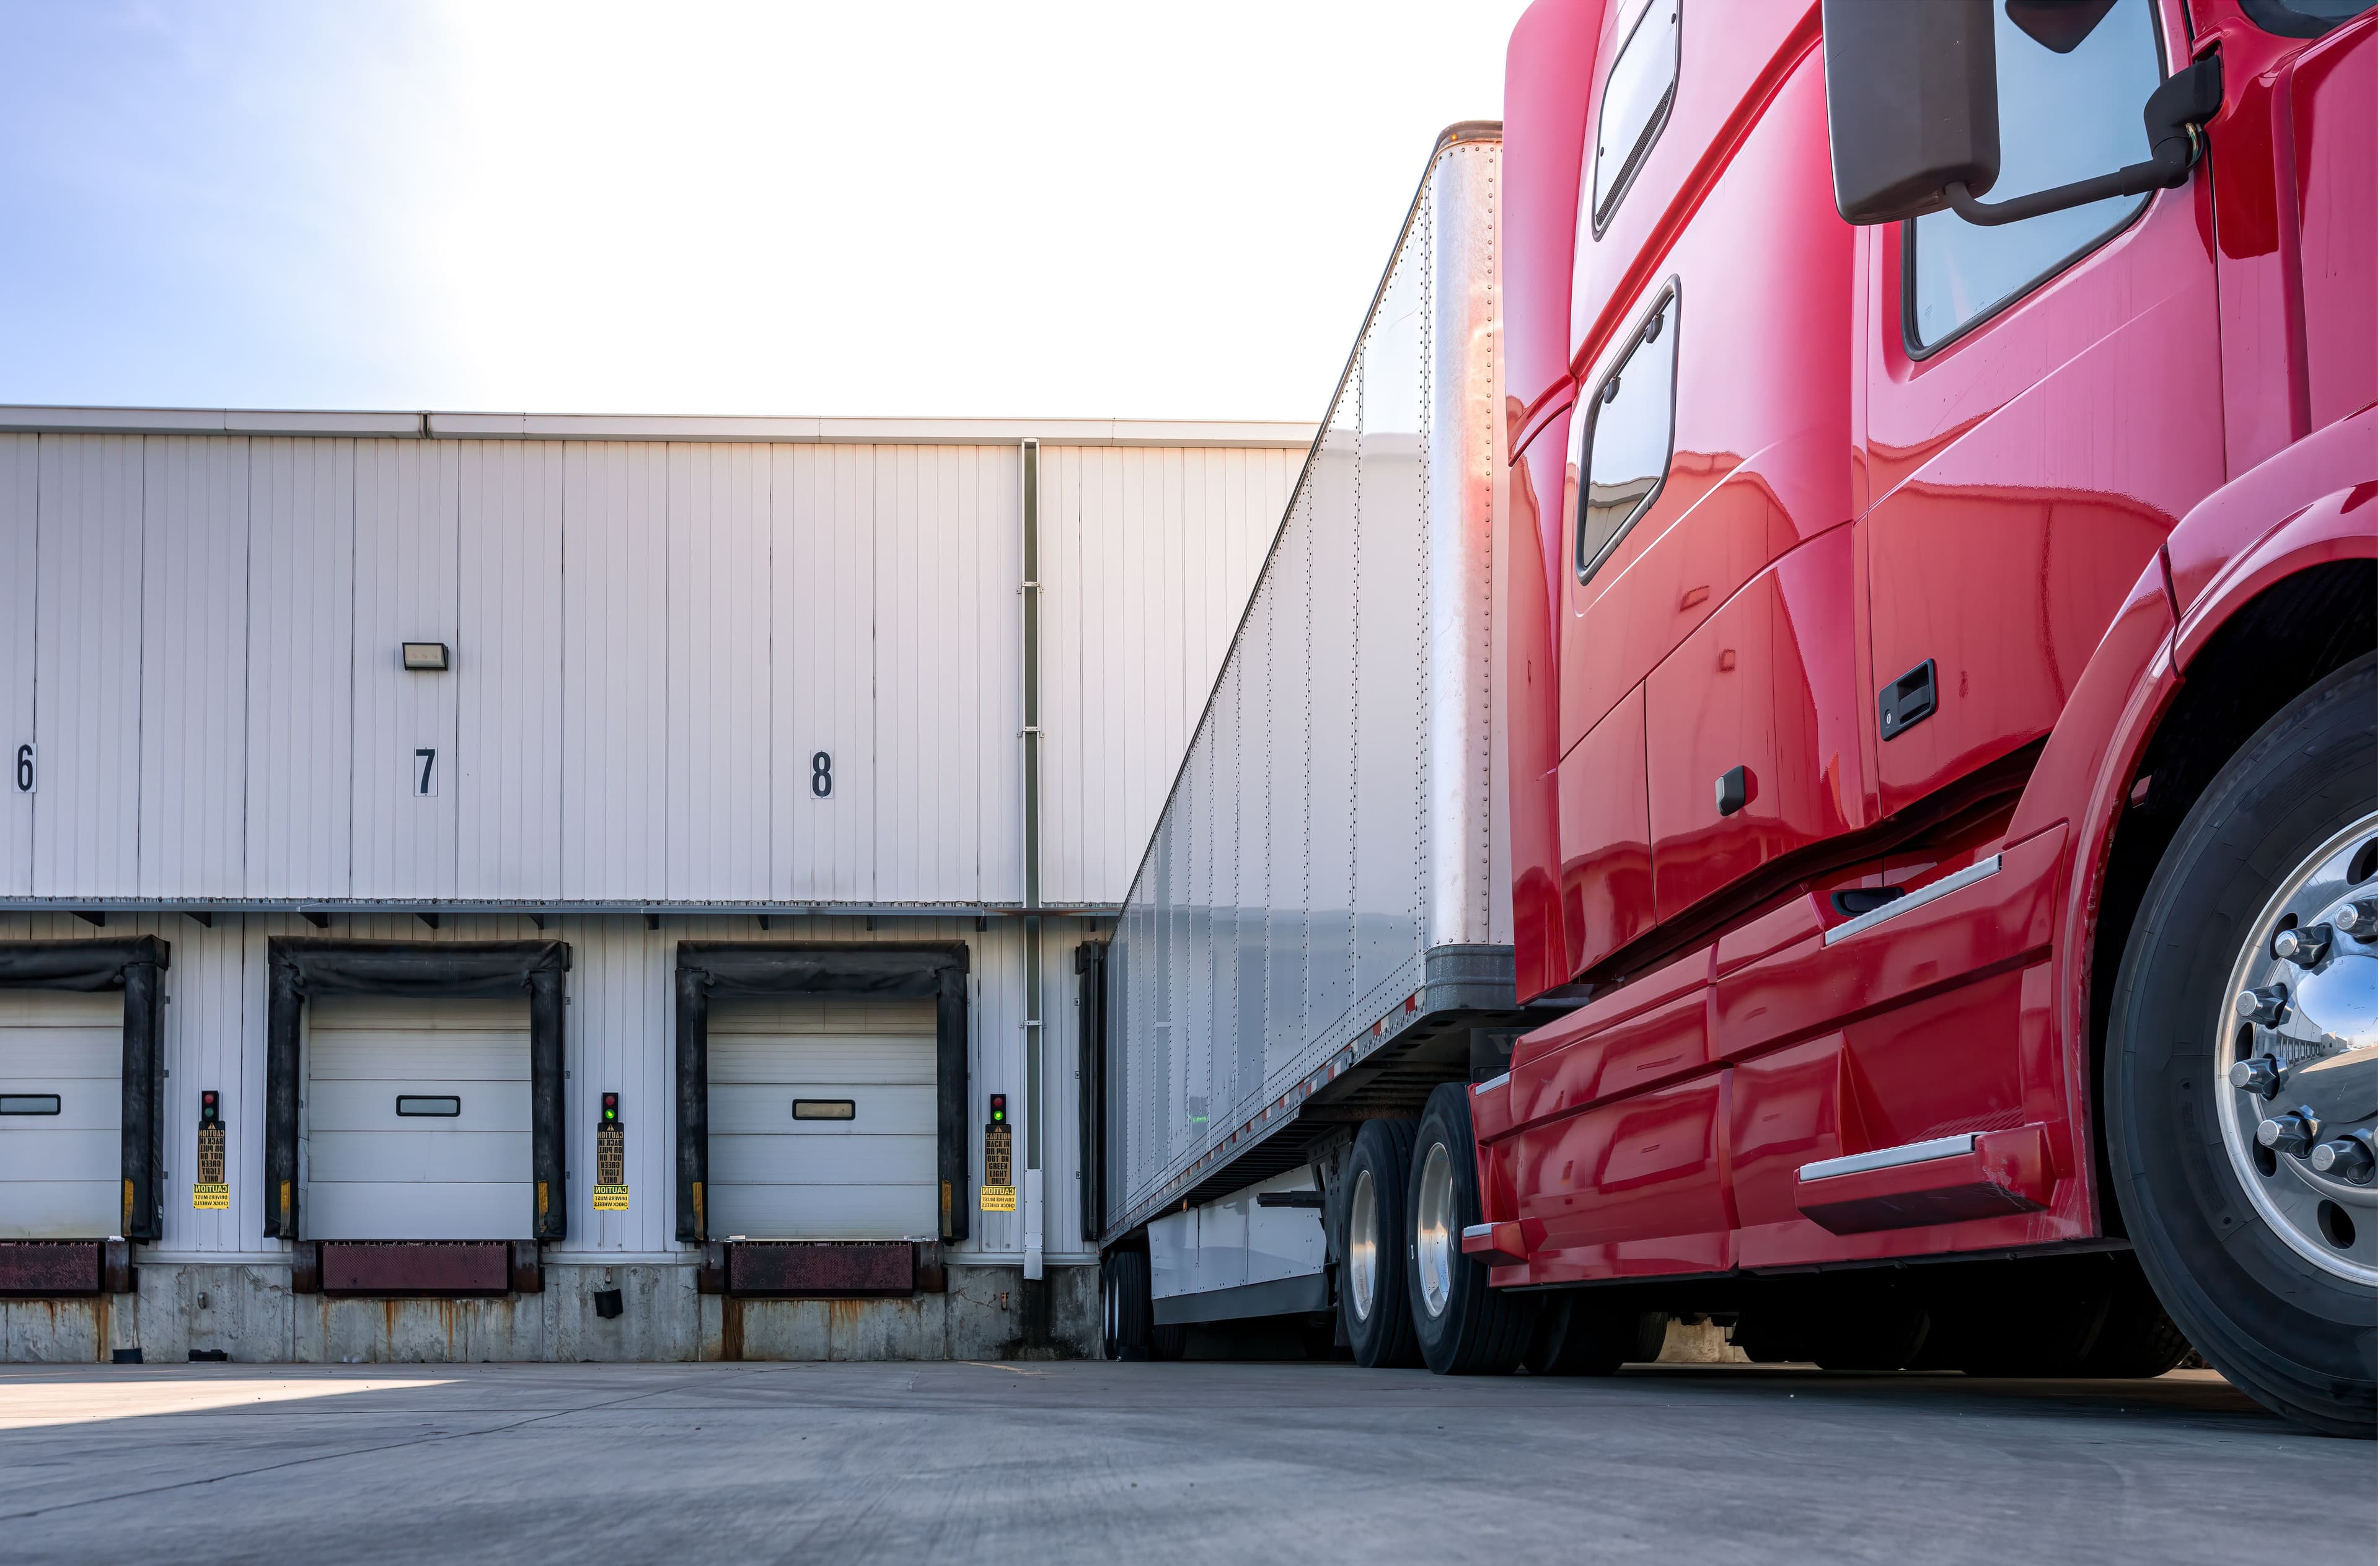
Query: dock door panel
{"points": [[417, 1120], [61, 1114], [822, 1119]]}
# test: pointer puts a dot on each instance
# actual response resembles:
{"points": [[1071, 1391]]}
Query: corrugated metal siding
{"points": [[616, 652], [194, 668], [20, 489], [948, 638], [407, 499], [301, 667], [822, 672], [87, 657], [718, 673], [1147, 556], [508, 671], [651, 645]]}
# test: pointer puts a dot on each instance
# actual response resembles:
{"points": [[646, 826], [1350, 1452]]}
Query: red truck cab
{"points": [[1942, 451]]}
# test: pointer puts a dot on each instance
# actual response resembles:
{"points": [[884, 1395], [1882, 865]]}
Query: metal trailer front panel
{"points": [[1325, 870], [416, 1119], [61, 1114], [822, 1120]]}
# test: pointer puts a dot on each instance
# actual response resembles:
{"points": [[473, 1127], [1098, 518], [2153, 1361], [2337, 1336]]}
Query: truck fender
{"points": [[2339, 526], [2227, 527]]}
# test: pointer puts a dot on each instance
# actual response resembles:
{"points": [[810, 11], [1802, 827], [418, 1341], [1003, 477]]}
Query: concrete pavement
{"points": [[1223, 1461]]}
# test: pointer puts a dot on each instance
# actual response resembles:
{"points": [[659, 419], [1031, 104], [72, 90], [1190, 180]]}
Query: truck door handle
{"points": [[1906, 700], [1733, 789]]}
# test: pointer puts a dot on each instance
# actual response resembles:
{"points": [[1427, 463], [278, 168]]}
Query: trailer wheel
{"points": [[2138, 1339], [1578, 1336], [1464, 1327], [2239, 1090], [1124, 1306], [1372, 1219]]}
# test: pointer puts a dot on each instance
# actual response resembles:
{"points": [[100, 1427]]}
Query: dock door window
{"points": [[2071, 88], [1625, 434]]}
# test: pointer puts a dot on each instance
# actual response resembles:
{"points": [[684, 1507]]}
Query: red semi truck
{"points": [[1944, 763], [1937, 695]]}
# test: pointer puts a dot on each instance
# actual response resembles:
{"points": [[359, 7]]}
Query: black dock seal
{"points": [[303, 968], [130, 963], [888, 970]]}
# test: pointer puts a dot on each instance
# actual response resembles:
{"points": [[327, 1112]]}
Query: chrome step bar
{"points": [[1891, 1158], [1958, 881]]}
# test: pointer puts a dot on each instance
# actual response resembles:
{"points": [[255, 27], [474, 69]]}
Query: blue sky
{"points": [[1115, 209]]}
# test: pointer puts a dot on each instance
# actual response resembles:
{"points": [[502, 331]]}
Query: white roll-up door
{"points": [[61, 1114], [416, 1120], [857, 1161]]}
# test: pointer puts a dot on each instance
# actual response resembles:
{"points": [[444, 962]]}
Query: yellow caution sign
{"points": [[999, 1198], [611, 1198], [211, 1197]]}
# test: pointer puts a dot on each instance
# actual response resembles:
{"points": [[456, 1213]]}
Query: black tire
{"points": [[2287, 1333], [1474, 1330], [2138, 1339], [1124, 1306], [1578, 1335], [1379, 1325]]}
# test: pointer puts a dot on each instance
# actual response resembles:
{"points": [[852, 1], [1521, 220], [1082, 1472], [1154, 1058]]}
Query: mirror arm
{"points": [[2175, 112]]}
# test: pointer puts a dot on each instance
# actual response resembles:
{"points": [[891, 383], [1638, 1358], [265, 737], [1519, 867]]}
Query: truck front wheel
{"points": [[1466, 1327], [2239, 1073]]}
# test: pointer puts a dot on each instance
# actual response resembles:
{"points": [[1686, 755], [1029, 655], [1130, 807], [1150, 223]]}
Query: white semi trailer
{"points": [[1319, 931]]}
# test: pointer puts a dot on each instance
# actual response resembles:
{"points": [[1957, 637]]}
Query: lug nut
{"points": [[2357, 917], [2262, 1076], [2268, 1006], [2304, 947], [2292, 1133], [2349, 1157]]}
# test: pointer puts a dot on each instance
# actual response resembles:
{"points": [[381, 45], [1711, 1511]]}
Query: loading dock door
{"points": [[857, 1160], [416, 1116], [61, 1114]]}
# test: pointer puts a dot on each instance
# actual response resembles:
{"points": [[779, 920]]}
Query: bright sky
{"points": [[1116, 208]]}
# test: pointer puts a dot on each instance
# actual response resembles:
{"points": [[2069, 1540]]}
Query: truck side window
{"points": [[2070, 98], [1625, 435], [1636, 104]]}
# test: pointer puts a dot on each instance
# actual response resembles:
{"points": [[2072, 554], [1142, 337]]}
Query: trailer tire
{"points": [[1372, 1217], [1464, 1327], [1581, 1336], [2293, 1333], [1124, 1306], [2138, 1339]]}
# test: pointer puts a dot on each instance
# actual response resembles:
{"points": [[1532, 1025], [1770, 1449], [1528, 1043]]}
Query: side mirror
{"points": [[1913, 104], [1912, 111]]}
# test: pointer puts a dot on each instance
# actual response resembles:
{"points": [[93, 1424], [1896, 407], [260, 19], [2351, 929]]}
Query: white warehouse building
{"points": [[503, 887]]}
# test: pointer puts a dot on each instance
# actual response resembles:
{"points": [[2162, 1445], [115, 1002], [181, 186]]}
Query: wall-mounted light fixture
{"points": [[426, 657]]}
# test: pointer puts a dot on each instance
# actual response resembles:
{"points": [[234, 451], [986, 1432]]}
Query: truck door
{"points": [[2043, 404]]}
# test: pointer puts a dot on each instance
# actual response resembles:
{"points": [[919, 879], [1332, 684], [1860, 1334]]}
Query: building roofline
{"points": [[816, 431]]}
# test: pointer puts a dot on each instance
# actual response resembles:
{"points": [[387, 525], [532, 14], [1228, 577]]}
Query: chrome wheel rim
{"points": [[1434, 1230], [2295, 1058], [1363, 1243]]}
